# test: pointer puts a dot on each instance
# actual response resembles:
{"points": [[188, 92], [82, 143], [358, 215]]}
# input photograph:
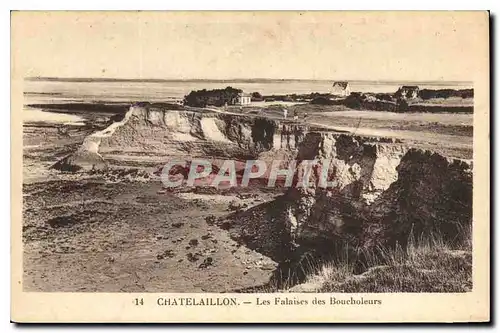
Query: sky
{"points": [[226, 45]]}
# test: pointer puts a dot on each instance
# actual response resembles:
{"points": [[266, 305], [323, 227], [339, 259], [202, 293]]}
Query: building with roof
{"points": [[341, 88], [408, 92], [242, 99]]}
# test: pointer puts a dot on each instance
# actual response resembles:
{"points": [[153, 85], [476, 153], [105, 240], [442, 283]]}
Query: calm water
{"points": [[126, 91]]}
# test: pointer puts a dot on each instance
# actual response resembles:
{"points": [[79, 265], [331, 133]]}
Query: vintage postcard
{"points": [[250, 166]]}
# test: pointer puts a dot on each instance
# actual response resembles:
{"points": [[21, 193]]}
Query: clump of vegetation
{"points": [[297, 97], [397, 103], [445, 93], [359, 101], [354, 101], [384, 97], [257, 97], [215, 97], [384, 102], [322, 101], [402, 105], [430, 265]]}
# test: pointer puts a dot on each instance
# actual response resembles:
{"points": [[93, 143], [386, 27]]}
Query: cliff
{"points": [[379, 195], [148, 136]]}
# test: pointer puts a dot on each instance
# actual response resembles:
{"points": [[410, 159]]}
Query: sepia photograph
{"points": [[223, 153]]}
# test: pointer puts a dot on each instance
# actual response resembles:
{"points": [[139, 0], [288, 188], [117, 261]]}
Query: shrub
{"points": [[445, 93], [257, 97], [402, 105], [353, 101], [384, 97], [321, 101], [215, 97]]}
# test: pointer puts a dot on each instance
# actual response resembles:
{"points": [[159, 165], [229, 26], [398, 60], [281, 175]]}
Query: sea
{"points": [[52, 90]]}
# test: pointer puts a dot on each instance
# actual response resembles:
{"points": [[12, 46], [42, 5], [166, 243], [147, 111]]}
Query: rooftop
{"points": [[342, 84]]}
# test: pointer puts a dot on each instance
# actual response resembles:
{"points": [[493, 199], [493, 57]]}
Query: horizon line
{"points": [[110, 79]]}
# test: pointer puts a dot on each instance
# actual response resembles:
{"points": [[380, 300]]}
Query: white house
{"points": [[341, 88], [408, 92], [242, 99]]}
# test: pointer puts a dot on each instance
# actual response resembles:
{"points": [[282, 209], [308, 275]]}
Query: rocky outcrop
{"points": [[379, 194], [431, 196], [88, 157], [81, 160], [149, 135]]}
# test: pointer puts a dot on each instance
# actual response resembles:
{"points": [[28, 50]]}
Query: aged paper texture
{"points": [[250, 166]]}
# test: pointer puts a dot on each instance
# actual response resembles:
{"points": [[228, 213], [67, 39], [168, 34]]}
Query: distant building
{"points": [[407, 92], [341, 88], [242, 99]]}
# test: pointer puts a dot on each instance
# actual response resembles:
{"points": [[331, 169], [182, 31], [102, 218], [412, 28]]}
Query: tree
{"points": [[257, 97], [216, 97]]}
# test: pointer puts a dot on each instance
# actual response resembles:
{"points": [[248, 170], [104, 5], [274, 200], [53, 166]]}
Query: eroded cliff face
{"points": [[380, 193], [432, 195], [151, 135]]}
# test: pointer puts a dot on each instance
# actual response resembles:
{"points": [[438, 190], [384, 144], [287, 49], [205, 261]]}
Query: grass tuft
{"points": [[424, 265]]}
